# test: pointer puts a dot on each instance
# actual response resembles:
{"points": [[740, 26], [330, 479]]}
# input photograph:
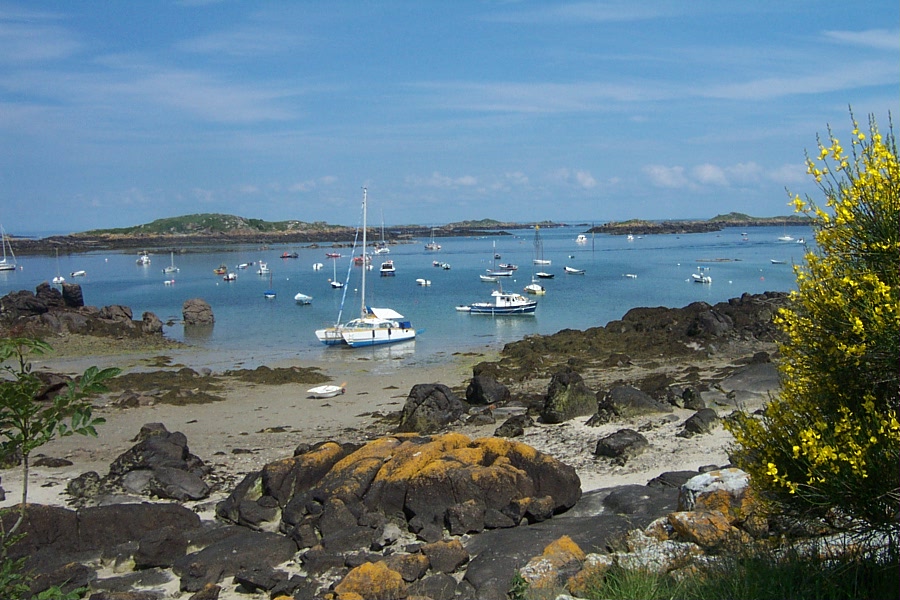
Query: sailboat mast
{"points": [[363, 292]]}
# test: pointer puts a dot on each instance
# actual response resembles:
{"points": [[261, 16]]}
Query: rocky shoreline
{"points": [[446, 496]]}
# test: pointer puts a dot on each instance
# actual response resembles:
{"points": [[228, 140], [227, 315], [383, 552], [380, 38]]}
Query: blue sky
{"points": [[117, 113]]}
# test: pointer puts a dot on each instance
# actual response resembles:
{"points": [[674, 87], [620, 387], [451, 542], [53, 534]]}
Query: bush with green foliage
{"points": [[829, 443], [27, 422]]}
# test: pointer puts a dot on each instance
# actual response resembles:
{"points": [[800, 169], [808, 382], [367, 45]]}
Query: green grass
{"points": [[755, 576]]}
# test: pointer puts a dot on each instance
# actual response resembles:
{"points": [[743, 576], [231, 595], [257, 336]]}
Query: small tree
{"points": [[28, 422], [831, 439]]}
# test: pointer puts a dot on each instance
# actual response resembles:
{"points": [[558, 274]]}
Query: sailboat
{"points": [[171, 268], [382, 247], [539, 254], [7, 264], [374, 326], [334, 280], [535, 287], [432, 245], [493, 273], [59, 279]]}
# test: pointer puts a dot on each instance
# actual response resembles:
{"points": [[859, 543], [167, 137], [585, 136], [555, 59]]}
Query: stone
{"points": [[429, 408], [702, 421], [197, 311], [485, 390], [567, 397], [621, 445]]}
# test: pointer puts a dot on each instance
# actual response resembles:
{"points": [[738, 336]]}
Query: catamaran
{"points": [[374, 326]]}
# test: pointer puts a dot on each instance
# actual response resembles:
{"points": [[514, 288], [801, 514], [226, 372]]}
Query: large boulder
{"points": [[430, 407], [567, 397], [484, 389], [340, 498], [197, 311]]}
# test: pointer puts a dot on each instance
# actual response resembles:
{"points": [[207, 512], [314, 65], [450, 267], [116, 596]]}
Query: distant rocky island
{"points": [[216, 230]]}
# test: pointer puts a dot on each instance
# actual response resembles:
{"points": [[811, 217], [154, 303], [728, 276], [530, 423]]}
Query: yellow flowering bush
{"points": [[830, 440]]}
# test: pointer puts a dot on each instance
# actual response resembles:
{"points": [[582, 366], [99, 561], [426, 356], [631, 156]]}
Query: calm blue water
{"points": [[249, 325]]}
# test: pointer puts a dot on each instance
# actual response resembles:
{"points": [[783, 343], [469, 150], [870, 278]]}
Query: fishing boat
{"points": [[171, 268], [263, 268], [374, 326], [9, 262], [231, 276], [504, 303], [327, 391], [143, 260], [220, 270], [301, 298]]}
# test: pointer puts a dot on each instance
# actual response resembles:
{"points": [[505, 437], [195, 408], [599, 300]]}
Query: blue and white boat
{"points": [[505, 303]]}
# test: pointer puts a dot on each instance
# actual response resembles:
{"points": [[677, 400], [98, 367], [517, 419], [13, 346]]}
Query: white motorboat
{"points": [[425, 282], [263, 268], [374, 326], [143, 260], [702, 275], [229, 276], [327, 391], [581, 239], [80, 273], [301, 298], [574, 271], [488, 278], [387, 268]]}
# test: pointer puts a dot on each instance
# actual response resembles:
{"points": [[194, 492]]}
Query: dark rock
{"points": [[703, 421], [160, 548], [151, 324], [465, 517], [259, 577], [197, 311], [710, 323], [429, 408], [68, 577], [514, 426], [296, 585], [621, 445], [210, 591], [244, 549], [437, 586], [692, 400], [50, 462], [672, 479], [567, 397], [72, 295], [623, 402], [483, 389], [446, 556], [640, 500], [177, 484]]}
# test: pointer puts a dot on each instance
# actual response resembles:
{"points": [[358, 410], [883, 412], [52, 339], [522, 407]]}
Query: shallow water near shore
{"points": [[619, 274]]}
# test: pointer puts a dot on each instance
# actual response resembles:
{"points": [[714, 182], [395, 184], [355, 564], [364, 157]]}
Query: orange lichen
{"points": [[372, 581]]}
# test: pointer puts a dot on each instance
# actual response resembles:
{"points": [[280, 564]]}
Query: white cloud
{"points": [[437, 180], [668, 177], [585, 179], [709, 175]]}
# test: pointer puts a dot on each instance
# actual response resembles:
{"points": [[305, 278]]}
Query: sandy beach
{"points": [[254, 424]]}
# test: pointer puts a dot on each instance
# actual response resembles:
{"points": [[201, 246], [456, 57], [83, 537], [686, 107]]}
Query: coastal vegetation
{"points": [[31, 415]]}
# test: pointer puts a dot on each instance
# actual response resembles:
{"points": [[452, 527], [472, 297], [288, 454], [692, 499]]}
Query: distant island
{"points": [[215, 230]]}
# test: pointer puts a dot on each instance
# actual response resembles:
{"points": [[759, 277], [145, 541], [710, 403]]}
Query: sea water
{"points": [[619, 274]]}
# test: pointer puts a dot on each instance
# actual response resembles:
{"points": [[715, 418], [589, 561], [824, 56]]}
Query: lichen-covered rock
{"points": [[728, 492], [624, 402], [560, 560], [327, 495], [567, 397], [372, 581]]}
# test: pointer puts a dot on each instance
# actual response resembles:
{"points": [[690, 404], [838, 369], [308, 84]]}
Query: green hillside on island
{"points": [[212, 224]]}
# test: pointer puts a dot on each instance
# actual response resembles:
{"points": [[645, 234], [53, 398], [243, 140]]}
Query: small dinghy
{"points": [[327, 391]]}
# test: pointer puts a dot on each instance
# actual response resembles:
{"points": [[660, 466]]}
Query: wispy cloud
{"points": [[886, 39], [28, 36], [248, 41], [437, 180]]}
